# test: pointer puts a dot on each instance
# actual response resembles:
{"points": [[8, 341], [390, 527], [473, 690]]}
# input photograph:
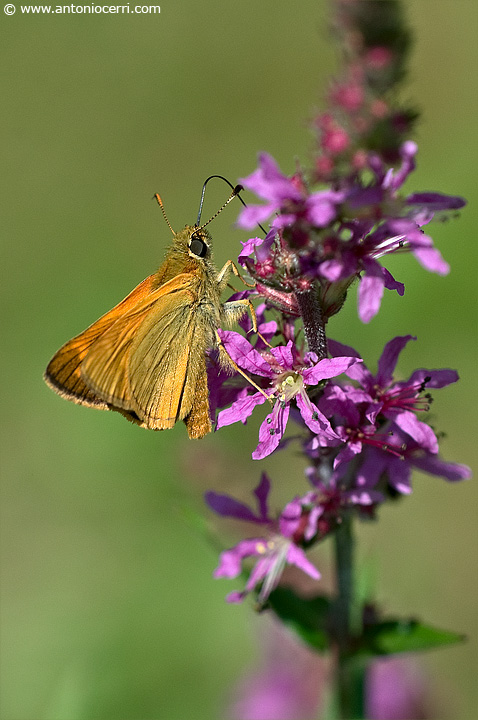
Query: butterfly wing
{"points": [[147, 363], [198, 421], [168, 380], [63, 373]]}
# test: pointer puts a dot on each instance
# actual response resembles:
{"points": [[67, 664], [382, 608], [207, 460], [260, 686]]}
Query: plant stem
{"points": [[350, 671], [314, 328]]}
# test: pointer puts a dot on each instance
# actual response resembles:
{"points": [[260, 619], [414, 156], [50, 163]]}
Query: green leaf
{"points": [[310, 618], [306, 616], [396, 636]]}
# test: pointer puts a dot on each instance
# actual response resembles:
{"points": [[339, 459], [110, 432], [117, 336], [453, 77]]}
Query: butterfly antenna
{"points": [[236, 189], [160, 203], [235, 192]]}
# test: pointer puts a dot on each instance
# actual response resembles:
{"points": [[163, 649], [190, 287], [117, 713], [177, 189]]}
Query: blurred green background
{"points": [[108, 607]]}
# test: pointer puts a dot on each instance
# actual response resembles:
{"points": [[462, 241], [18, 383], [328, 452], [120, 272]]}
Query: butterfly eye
{"points": [[197, 246]]}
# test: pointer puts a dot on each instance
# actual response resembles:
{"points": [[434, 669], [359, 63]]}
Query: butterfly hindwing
{"points": [[198, 421], [167, 358]]}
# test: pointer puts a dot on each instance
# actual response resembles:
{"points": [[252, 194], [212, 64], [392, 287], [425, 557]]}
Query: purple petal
{"points": [[357, 395], [229, 507], [230, 560], [399, 474], [347, 453], [283, 220], [335, 401], [268, 183], [435, 466], [389, 357], [242, 352], [364, 497], [296, 556], [359, 371], [263, 251], [419, 431], [268, 329], [313, 418], [359, 196], [254, 215], [337, 348], [333, 270], [370, 290], [285, 355], [248, 248], [434, 378], [436, 201], [314, 516], [290, 517], [240, 409], [371, 468], [391, 283], [321, 207], [408, 151], [261, 492], [427, 255], [260, 569], [328, 368], [271, 432]]}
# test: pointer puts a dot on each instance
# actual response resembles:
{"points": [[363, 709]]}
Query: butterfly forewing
{"points": [[139, 365], [63, 373], [105, 367]]}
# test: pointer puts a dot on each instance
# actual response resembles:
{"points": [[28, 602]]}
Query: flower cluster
{"points": [[289, 375], [275, 549], [362, 438], [333, 223], [327, 239]]}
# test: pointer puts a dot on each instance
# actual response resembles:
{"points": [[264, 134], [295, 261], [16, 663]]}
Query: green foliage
{"points": [[306, 616], [310, 618], [396, 636]]}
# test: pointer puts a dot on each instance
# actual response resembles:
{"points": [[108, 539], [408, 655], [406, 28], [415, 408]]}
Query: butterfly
{"points": [[146, 358]]}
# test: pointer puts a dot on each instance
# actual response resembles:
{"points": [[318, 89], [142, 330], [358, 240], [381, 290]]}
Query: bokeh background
{"points": [[108, 607]]}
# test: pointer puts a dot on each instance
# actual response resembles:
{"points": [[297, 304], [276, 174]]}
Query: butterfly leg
{"points": [[234, 309], [227, 361], [223, 275]]}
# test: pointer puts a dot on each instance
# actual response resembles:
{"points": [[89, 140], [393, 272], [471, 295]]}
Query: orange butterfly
{"points": [[146, 358]]}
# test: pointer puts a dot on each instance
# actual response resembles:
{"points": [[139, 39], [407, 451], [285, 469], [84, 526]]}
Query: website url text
{"points": [[91, 9]]}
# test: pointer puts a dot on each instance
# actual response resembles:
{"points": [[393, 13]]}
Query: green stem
{"points": [[312, 317], [350, 671]]}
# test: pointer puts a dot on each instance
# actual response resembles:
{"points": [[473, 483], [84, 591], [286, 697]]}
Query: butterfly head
{"points": [[194, 242], [199, 243]]}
